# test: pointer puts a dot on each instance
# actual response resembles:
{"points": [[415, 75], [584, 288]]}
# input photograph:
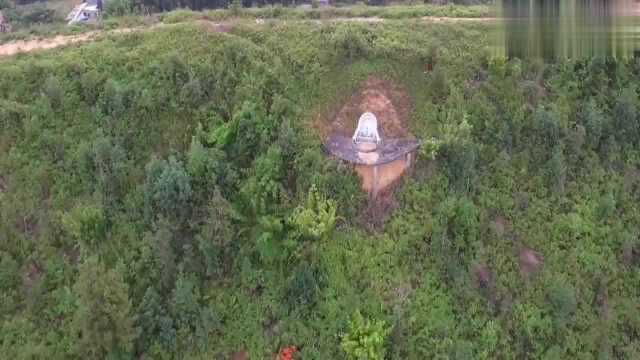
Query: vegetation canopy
{"points": [[164, 194]]}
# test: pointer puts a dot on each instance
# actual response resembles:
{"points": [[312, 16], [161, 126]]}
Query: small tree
{"points": [[459, 152], [103, 319], [86, 224], [304, 287], [625, 113], [118, 8], [53, 91], [154, 323], [217, 234], [365, 339], [9, 272], [110, 169], [165, 252], [557, 170], [112, 100], [547, 128], [594, 123], [193, 321], [263, 191], [563, 301], [235, 6], [167, 188]]}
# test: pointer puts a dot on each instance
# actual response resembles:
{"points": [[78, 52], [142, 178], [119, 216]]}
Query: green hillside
{"points": [[165, 195]]}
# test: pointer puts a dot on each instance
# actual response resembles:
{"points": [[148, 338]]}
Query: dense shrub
{"points": [[167, 188], [304, 287], [31, 14], [103, 321], [118, 8]]}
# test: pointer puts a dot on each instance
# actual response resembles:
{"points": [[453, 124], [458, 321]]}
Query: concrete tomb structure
{"points": [[379, 162]]}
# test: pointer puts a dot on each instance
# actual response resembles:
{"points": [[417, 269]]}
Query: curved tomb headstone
{"points": [[366, 137]]}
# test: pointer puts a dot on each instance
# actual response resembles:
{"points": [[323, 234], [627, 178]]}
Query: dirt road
{"points": [[23, 46]]}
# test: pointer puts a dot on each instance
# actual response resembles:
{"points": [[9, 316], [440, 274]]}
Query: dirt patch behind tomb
{"points": [[387, 101]]}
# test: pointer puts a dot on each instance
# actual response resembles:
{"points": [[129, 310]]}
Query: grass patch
{"points": [[390, 12]]}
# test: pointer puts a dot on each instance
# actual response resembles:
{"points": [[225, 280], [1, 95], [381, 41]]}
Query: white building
{"points": [[86, 12]]}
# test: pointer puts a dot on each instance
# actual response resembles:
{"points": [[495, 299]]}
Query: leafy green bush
{"points": [[263, 190], [459, 152], [304, 288], [235, 6], [87, 224], [178, 16], [8, 272], [217, 235], [317, 219], [31, 14], [102, 322], [91, 83], [365, 338], [156, 326], [563, 301], [625, 113], [53, 92], [352, 41], [167, 188]]}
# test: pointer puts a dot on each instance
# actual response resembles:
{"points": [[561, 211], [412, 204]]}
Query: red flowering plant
{"points": [[287, 353]]}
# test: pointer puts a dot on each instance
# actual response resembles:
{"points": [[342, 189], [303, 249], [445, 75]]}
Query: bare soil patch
{"points": [[378, 210], [240, 355], [22, 46], [530, 261], [387, 101]]}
